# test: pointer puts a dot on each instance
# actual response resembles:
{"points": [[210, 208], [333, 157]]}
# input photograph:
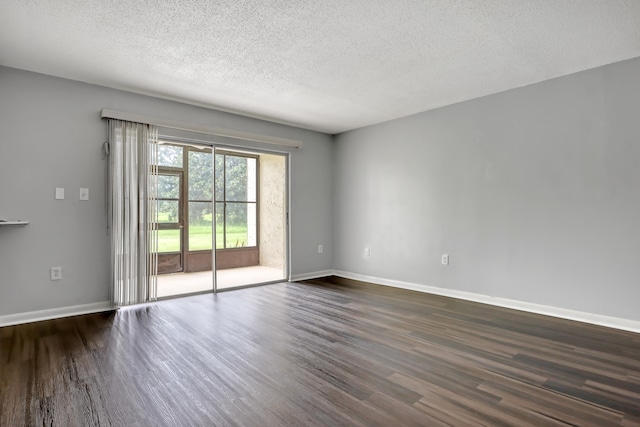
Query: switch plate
{"points": [[445, 259], [84, 194], [59, 193], [56, 273], [367, 251], [320, 249]]}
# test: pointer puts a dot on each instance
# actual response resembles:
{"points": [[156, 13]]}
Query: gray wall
{"points": [[51, 136], [534, 193]]}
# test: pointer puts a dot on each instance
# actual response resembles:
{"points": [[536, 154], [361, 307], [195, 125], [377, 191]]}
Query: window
{"points": [[236, 197], [200, 205], [186, 199]]}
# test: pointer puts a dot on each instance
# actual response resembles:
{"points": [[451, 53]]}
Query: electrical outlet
{"points": [[56, 273], [320, 249], [367, 251], [445, 259]]}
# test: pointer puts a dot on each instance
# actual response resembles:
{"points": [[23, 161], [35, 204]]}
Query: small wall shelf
{"points": [[14, 222]]}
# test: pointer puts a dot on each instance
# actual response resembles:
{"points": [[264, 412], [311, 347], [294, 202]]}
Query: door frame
{"points": [[287, 199], [179, 225]]}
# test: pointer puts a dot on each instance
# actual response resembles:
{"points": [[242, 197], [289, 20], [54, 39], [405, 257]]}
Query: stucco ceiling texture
{"points": [[330, 65]]}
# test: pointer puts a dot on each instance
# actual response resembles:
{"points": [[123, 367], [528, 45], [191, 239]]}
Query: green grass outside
{"points": [[200, 238], [168, 241], [164, 217]]}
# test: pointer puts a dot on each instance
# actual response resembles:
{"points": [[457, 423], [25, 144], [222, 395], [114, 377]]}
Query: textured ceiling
{"points": [[329, 65]]}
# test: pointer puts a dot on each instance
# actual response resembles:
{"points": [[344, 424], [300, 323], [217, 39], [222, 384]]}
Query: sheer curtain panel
{"points": [[132, 212]]}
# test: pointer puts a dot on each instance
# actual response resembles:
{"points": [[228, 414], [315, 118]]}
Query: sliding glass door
{"points": [[219, 207], [251, 229], [185, 219]]}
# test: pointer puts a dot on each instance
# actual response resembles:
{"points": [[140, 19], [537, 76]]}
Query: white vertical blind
{"points": [[133, 211]]}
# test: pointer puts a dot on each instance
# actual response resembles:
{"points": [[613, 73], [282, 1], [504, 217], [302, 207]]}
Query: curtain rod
{"points": [[210, 130]]}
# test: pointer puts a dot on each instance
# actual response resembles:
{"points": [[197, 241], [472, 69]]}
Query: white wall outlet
{"points": [[367, 251], [445, 259], [320, 249], [59, 193], [56, 273], [84, 194]]}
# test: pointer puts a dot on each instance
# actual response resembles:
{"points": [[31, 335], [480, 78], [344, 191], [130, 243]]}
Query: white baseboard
{"points": [[580, 316], [312, 275], [595, 319], [54, 313]]}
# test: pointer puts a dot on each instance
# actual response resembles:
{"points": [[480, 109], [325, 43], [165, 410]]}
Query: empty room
{"points": [[337, 213]]}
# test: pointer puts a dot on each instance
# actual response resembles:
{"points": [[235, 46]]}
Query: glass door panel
{"points": [[236, 222], [199, 209], [185, 224]]}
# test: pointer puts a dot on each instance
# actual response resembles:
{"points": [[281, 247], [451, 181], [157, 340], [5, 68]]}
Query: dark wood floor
{"points": [[325, 352]]}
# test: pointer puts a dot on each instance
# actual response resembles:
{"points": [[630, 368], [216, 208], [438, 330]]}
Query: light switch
{"points": [[59, 193], [445, 259], [84, 194]]}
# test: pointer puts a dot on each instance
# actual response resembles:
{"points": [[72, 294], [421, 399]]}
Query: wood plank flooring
{"points": [[323, 352]]}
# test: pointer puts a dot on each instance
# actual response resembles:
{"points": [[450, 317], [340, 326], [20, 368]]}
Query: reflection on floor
{"points": [[185, 283]]}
